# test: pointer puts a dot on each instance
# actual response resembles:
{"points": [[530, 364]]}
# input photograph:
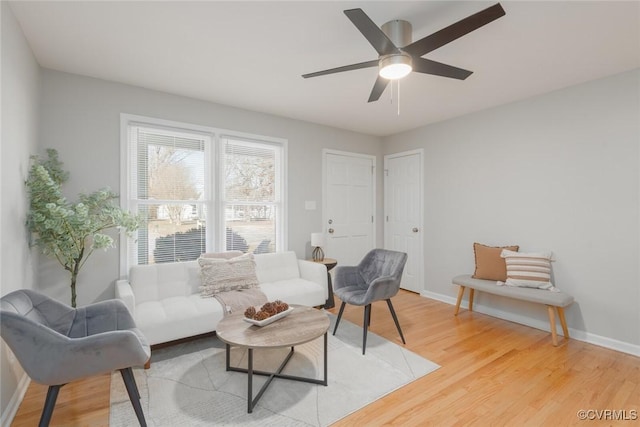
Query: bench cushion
{"points": [[556, 299]]}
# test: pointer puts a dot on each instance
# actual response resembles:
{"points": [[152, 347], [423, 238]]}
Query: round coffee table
{"points": [[302, 325]]}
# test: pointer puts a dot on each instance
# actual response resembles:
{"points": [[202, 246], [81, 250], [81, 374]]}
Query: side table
{"points": [[329, 263]]}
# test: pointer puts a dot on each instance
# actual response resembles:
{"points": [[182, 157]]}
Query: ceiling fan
{"points": [[398, 56]]}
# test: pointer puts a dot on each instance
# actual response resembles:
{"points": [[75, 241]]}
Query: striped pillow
{"points": [[528, 270]]}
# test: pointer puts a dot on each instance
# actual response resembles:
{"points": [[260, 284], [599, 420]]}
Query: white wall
{"points": [[556, 172], [80, 117], [20, 95]]}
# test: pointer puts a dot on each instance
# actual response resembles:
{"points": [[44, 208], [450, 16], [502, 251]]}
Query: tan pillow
{"points": [[223, 275], [489, 264]]}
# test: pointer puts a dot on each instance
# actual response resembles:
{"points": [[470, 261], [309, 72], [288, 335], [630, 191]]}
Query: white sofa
{"points": [[165, 302]]}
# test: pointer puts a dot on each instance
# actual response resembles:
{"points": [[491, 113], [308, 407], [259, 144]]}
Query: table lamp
{"points": [[317, 241]]}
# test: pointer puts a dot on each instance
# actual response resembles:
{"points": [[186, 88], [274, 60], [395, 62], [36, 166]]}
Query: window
{"points": [[200, 190], [250, 203]]}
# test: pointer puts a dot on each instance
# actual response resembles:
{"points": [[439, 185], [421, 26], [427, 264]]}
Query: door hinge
{"points": [[372, 169], [387, 218], [372, 219], [386, 172]]}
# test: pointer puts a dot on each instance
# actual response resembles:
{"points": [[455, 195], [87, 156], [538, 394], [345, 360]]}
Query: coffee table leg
{"points": [[325, 360], [251, 401], [228, 357], [250, 381]]}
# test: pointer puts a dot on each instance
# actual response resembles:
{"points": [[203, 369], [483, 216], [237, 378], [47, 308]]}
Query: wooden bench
{"points": [[555, 301]]}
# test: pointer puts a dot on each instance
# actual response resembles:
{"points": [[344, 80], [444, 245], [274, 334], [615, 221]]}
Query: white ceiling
{"points": [[252, 54]]}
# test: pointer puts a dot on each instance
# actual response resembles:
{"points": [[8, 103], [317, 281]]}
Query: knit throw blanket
{"points": [[238, 301]]}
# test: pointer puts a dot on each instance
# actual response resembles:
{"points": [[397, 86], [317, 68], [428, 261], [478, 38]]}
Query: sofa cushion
{"points": [[158, 281], [177, 317], [295, 291], [224, 275], [557, 299], [489, 264], [277, 266]]}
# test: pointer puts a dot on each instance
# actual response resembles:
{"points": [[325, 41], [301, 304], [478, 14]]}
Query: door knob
{"points": [[330, 231], [415, 229], [330, 221]]}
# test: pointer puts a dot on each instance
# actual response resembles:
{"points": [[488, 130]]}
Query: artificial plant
{"points": [[70, 232]]}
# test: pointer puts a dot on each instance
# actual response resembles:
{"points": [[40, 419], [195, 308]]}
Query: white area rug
{"points": [[188, 385]]}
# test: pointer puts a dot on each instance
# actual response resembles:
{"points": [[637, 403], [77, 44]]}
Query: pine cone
{"points": [[270, 308], [261, 315], [250, 312], [281, 306]]}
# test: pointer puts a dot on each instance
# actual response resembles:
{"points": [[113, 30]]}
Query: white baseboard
{"points": [[576, 334], [12, 408]]}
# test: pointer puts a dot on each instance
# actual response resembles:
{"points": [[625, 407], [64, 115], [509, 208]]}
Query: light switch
{"points": [[310, 205]]}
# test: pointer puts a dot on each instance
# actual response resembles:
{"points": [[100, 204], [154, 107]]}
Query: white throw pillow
{"points": [[528, 270], [223, 275], [225, 254]]}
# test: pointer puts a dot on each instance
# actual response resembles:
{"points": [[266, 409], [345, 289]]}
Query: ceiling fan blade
{"points": [[367, 64], [371, 32], [427, 66], [454, 31], [378, 87]]}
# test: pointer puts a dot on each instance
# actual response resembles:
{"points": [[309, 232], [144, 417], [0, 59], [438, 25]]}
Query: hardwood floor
{"points": [[80, 403], [493, 372]]}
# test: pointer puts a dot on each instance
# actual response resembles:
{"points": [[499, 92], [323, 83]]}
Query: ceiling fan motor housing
{"points": [[398, 31]]}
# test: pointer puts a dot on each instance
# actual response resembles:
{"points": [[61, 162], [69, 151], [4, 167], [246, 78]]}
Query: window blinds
{"points": [[250, 172], [170, 190]]}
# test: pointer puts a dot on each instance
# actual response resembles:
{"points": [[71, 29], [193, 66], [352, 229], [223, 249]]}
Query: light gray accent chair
{"points": [[376, 278], [57, 344]]}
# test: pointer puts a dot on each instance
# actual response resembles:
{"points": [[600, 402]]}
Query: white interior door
{"points": [[349, 201], [404, 212]]}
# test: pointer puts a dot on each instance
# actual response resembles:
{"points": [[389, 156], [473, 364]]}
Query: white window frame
{"points": [[213, 159]]}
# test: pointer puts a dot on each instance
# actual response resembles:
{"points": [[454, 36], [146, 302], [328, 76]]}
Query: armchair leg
{"points": [[365, 326], [134, 395], [339, 317], [395, 319], [49, 404]]}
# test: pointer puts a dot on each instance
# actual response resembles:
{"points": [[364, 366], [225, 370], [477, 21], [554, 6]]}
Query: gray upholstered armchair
{"points": [[376, 278], [57, 344]]}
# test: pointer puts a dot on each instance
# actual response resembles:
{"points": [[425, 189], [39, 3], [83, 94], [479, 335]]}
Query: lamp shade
{"points": [[317, 239]]}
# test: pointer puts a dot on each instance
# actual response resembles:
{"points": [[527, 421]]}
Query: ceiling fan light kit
{"points": [[398, 55], [395, 66]]}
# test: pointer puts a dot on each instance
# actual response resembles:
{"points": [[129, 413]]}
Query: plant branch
{"points": [[63, 228]]}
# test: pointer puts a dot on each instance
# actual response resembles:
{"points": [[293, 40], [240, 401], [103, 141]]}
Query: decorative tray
{"points": [[271, 319]]}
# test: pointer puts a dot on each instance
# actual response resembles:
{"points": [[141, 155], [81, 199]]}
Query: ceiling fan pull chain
{"points": [[398, 95], [391, 96]]}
